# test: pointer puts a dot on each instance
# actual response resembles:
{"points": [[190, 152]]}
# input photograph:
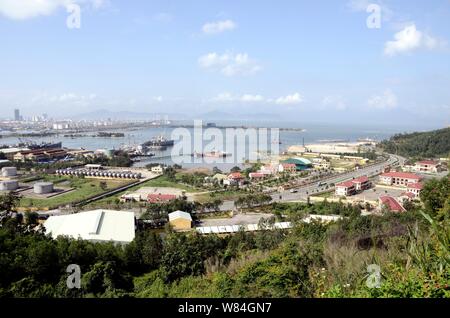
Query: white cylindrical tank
{"points": [[43, 188], [9, 172], [9, 185]]}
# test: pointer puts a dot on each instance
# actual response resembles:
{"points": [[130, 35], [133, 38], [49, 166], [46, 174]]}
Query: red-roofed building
{"points": [[361, 183], [345, 188], [160, 198], [234, 178], [399, 178], [428, 166], [351, 187], [287, 167], [391, 204], [414, 188]]}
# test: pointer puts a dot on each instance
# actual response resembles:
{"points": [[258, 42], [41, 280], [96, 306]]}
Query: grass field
{"points": [[223, 195], [160, 182], [84, 188]]}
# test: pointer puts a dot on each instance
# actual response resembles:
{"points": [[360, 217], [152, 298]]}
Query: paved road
{"points": [[304, 191]]}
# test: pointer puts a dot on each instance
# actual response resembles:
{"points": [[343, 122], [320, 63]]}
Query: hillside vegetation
{"points": [[411, 251], [430, 144]]}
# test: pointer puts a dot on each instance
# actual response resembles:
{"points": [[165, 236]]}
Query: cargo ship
{"points": [[159, 141], [43, 145]]}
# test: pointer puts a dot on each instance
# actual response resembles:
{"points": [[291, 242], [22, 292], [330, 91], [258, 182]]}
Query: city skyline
{"points": [[176, 58]]}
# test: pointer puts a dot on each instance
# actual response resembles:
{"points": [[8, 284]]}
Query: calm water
{"points": [[314, 133]]}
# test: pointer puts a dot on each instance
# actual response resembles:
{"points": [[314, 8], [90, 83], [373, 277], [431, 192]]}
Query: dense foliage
{"points": [[310, 260], [420, 144]]}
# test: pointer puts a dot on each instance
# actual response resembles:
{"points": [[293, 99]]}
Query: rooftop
{"points": [[417, 186], [346, 184], [97, 225], [392, 204], [404, 175], [428, 162], [361, 179], [179, 215]]}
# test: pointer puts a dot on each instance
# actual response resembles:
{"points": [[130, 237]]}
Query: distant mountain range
{"points": [[103, 114]]}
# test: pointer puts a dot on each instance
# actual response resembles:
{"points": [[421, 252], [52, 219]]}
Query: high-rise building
{"points": [[17, 115]]}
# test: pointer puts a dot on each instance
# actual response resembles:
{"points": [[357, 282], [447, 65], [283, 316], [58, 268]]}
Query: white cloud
{"points": [[410, 39], [246, 98], [158, 99], [219, 27], [337, 102], [229, 64], [386, 100], [163, 17], [27, 9], [252, 98], [293, 99]]}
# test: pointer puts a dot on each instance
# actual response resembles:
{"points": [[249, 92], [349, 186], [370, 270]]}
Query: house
{"points": [[361, 183], [96, 226], [414, 188], [160, 198], [399, 178], [269, 169], [427, 166], [180, 221], [287, 167], [391, 204], [130, 197], [345, 188], [406, 196], [234, 178], [157, 169], [320, 163]]}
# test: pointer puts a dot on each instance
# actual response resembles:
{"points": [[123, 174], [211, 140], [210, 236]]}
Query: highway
{"points": [[304, 191]]}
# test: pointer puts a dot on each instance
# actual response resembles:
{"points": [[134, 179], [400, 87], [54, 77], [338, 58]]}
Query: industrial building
{"points": [[180, 221], [96, 226], [106, 174], [300, 163]]}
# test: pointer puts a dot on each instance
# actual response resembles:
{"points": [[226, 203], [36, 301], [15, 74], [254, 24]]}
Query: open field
{"points": [[159, 182], [83, 189]]}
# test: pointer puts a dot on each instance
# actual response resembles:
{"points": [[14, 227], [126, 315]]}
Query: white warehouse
{"points": [[96, 226]]}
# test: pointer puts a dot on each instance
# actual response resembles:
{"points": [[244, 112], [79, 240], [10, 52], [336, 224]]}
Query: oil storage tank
{"points": [[43, 188], [9, 172], [9, 185]]}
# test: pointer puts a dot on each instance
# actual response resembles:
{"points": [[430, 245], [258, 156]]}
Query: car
{"points": [[320, 184], [293, 191]]}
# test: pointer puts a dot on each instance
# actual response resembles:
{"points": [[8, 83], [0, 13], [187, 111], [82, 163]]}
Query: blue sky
{"points": [[298, 60]]}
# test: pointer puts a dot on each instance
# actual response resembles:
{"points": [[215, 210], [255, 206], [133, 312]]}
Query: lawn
{"points": [[160, 182], [222, 195], [84, 188]]}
